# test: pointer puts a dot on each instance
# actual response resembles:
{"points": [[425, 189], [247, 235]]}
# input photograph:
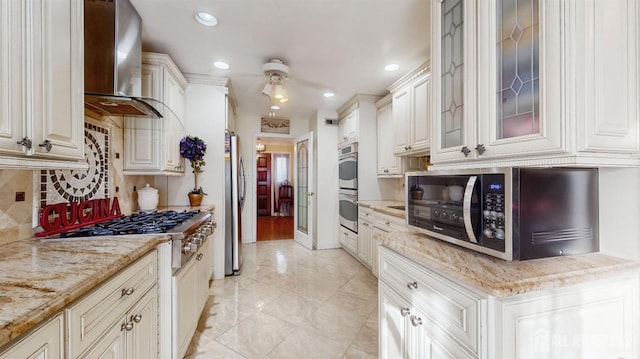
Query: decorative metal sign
{"points": [[62, 217]]}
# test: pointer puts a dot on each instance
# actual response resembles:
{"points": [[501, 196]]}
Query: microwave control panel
{"points": [[493, 208]]}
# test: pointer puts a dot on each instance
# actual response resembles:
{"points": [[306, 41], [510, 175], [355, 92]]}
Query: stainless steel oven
{"points": [[348, 166], [349, 209]]}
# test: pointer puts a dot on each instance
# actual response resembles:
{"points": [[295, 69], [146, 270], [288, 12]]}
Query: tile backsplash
{"points": [[17, 217]]}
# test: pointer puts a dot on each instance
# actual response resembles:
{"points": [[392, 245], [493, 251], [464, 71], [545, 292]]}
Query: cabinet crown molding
{"points": [[422, 69], [154, 58], [384, 101], [353, 102]]}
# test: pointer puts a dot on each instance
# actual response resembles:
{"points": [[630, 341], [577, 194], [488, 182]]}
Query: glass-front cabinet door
{"points": [[497, 65], [453, 78]]}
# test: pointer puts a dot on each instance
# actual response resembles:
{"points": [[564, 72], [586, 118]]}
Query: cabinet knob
{"points": [[128, 326], [387, 223], [415, 321], [466, 151], [136, 318], [405, 311], [412, 285], [26, 142], [386, 171], [406, 148], [200, 256], [480, 149], [47, 145], [127, 291]]}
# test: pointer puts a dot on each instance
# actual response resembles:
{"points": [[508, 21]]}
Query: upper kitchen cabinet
{"points": [[388, 164], [523, 83], [152, 146], [348, 128], [41, 76], [411, 97]]}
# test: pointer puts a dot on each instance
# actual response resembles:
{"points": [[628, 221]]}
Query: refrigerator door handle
{"points": [[243, 178]]}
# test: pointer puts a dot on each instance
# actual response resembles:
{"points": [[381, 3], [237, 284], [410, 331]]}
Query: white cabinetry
{"points": [[426, 315], [348, 128], [349, 241], [371, 222], [525, 89], [411, 96], [42, 78], [191, 291], [104, 320], [152, 146], [389, 165], [45, 342]]}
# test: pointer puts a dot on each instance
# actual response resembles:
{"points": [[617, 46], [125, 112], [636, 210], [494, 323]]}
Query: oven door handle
{"points": [[466, 208]]}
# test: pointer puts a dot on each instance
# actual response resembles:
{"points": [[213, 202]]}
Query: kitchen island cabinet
{"points": [[451, 302], [41, 72]]}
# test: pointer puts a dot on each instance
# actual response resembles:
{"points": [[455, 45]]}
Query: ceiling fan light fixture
{"points": [[206, 19], [267, 89], [278, 92]]}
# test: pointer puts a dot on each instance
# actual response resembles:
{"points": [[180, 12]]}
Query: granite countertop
{"points": [[501, 278], [206, 207], [383, 207], [38, 277]]}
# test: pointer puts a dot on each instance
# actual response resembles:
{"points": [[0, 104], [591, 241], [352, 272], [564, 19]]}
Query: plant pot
{"points": [[195, 199], [416, 193]]}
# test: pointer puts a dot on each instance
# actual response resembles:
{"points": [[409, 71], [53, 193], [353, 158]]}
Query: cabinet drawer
{"points": [[455, 309], [90, 317], [389, 223], [349, 240]]}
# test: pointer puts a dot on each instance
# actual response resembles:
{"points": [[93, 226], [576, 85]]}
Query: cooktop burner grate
{"points": [[137, 223]]}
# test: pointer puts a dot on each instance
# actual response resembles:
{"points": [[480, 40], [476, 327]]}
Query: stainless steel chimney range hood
{"points": [[113, 61]]}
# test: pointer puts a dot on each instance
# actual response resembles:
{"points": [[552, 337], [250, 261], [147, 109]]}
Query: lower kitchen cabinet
{"points": [[135, 336], [349, 241], [369, 223], [46, 342], [423, 314]]}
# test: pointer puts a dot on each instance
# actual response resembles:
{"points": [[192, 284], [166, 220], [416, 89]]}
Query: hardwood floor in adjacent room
{"points": [[278, 227]]}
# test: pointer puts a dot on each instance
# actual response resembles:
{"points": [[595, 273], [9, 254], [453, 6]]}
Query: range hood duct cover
{"points": [[113, 60]]}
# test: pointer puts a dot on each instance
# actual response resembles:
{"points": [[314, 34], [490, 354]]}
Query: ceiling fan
{"points": [[276, 72]]}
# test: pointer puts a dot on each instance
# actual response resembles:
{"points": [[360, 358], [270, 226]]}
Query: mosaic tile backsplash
{"points": [[104, 144]]}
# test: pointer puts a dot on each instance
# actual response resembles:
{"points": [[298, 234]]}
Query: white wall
{"points": [[205, 118], [248, 128], [325, 149], [620, 212]]}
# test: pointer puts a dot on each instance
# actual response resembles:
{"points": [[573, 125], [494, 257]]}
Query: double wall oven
{"points": [[348, 179]]}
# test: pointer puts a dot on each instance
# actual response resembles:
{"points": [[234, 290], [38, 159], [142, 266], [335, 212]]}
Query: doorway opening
{"points": [[274, 189]]}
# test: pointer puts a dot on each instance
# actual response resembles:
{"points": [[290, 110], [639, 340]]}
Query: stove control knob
{"points": [[189, 248]]}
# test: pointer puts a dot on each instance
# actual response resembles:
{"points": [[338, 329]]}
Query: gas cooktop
{"points": [[137, 223]]}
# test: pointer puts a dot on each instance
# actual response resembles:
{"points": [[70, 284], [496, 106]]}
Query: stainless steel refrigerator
{"points": [[235, 190]]}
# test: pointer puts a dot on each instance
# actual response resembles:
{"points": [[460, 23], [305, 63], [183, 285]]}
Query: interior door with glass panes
{"points": [[304, 188]]}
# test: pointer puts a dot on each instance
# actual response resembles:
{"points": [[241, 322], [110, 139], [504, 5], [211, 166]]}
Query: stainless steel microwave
{"points": [[509, 213]]}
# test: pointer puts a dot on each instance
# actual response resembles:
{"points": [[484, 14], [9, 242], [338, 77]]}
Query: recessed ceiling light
{"points": [[391, 67], [206, 19], [328, 94], [275, 107], [221, 65]]}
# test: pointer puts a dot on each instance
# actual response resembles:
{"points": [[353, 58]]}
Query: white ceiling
{"points": [[329, 45]]}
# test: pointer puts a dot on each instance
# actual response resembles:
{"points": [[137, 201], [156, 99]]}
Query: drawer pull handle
{"points": [[387, 223], [127, 291], [199, 257], [136, 318], [47, 145], [405, 311], [415, 321], [412, 285], [126, 326], [26, 142]]}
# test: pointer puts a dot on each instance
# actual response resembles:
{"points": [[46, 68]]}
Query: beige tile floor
{"points": [[290, 303]]}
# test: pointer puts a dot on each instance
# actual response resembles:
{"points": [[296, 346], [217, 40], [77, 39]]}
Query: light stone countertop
{"points": [[501, 278], [38, 277], [383, 207], [209, 207]]}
